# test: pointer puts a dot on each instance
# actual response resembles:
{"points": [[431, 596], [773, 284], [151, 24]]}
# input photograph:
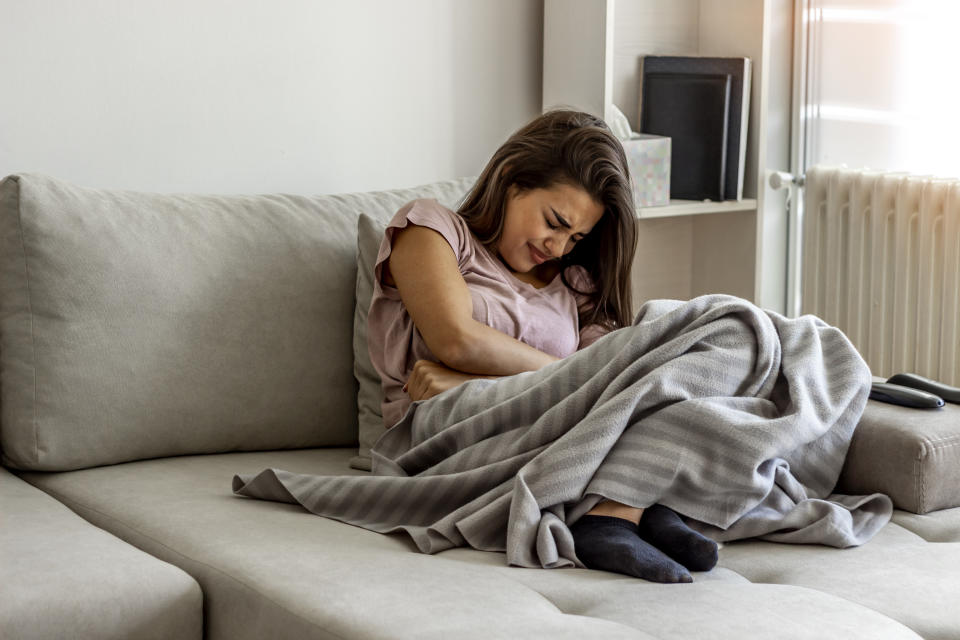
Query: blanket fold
{"points": [[737, 418]]}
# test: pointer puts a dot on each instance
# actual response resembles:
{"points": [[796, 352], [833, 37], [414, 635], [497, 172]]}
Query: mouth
{"points": [[538, 258]]}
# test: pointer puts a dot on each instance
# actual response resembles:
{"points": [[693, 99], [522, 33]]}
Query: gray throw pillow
{"points": [[369, 235]]}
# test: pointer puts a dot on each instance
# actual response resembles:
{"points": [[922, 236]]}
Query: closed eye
{"points": [[553, 227]]}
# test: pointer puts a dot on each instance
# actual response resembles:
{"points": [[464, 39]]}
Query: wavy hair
{"points": [[577, 149]]}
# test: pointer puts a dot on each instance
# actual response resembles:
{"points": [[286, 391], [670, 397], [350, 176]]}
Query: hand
{"points": [[432, 378]]}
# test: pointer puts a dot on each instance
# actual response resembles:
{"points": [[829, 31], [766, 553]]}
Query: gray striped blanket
{"points": [[737, 418]]}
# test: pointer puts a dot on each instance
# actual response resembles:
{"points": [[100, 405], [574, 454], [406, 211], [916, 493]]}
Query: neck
{"points": [[539, 276]]}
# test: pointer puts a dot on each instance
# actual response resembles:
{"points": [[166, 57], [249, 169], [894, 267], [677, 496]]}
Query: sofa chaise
{"points": [[154, 345]]}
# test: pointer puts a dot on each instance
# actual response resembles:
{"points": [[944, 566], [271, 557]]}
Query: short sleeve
{"points": [[430, 214]]}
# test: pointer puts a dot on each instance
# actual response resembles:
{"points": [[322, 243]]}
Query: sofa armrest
{"points": [[912, 455]]}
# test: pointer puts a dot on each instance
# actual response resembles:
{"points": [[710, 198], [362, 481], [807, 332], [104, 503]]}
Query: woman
{"points": [[737, 417], [534, 266]]}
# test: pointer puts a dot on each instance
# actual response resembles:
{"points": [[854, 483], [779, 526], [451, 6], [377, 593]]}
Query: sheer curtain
{"points": [[883, 85]]}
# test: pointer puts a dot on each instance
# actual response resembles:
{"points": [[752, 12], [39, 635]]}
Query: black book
{"points": [[692, 109], [737, 112]]}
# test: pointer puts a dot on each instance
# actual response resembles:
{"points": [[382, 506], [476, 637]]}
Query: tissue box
{"points": [[648, 157]]}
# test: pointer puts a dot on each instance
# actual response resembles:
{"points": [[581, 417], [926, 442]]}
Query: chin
{"points": [[527, 266], [512, 263]]}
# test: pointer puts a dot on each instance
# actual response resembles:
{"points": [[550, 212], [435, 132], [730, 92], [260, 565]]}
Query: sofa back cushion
{"points": [[138, 325]]}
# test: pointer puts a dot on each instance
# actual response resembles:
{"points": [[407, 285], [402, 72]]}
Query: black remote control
{"points": [[904, 396], [948, 393]]}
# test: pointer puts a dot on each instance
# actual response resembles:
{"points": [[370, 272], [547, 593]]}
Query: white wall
{"points": [[247, 96]]}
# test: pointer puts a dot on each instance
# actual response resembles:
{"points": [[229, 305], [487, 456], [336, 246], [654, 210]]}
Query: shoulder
{"points": [[431, 214], [417, 215], [426, 212]]}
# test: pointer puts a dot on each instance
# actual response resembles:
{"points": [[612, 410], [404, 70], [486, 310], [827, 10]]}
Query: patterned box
{"points": [[648, 157]]}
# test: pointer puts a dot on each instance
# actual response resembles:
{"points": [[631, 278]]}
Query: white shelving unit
{"points": [[592, 52], [694, 208]]}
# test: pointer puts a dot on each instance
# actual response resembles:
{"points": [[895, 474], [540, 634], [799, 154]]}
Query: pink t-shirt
{"points": [[544, 318]]}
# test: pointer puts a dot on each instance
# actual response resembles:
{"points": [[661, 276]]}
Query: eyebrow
{"points": [[563, 221]]}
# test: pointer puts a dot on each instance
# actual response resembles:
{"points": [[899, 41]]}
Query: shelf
{"points": [[591, 58], [695, 208]]}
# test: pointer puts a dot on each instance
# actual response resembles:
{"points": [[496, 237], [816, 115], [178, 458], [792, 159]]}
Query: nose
{"points": [[551, 245], [555, 246]]}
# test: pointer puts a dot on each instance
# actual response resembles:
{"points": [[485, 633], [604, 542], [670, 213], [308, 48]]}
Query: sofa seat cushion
{"points": [[273, 570], [897, 573], [938, 526], [61, 577]]}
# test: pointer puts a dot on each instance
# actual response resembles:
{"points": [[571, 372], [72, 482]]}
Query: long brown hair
{"points": [[577, 149]]}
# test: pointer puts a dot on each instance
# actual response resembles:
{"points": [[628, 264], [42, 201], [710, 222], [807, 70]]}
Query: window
{"points": [[882, 85]]}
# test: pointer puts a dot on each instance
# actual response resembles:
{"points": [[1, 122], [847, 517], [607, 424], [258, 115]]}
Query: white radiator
{"points": [[881, 261]]}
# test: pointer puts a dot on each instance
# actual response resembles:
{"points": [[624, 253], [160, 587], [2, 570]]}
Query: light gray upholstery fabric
{"points": [[370, 228], [61, 577], [138, 325], [897, 573], [937, 526], [369, 234], [912, 455], [273, 570]]}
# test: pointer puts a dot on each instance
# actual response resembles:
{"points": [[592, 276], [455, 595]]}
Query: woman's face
{"points": [[544, 224]]}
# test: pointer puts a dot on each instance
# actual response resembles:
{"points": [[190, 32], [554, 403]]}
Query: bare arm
{"points": [[424, 269]]}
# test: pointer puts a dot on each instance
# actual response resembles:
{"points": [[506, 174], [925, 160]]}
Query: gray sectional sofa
{"points": [[151, 346]]}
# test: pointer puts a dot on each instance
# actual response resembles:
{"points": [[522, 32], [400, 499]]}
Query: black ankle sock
{"points": [[612, 544], [666, 530]]}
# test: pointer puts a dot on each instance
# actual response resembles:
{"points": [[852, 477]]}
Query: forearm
{"points": [[482, 350]]}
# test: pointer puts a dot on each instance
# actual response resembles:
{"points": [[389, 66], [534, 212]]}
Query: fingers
{"points": [[426, 383], [419, 381], [419, 388], [426, 380]]}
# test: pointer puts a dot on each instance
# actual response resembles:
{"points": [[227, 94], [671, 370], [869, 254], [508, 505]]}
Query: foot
{"points": [[666, 530], [612, 544]]}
